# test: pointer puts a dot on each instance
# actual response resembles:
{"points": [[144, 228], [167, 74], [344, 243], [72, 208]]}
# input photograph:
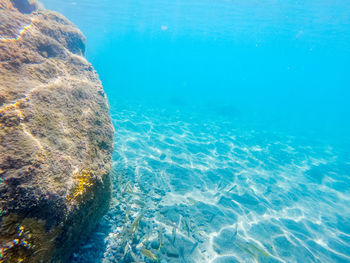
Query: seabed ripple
{"points": [[202, 188]]}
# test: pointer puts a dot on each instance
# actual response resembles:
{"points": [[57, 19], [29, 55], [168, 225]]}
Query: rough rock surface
{"points": [[55, 136]]}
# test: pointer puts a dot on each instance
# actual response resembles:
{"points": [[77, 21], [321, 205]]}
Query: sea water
{"points": [[231, 129]]}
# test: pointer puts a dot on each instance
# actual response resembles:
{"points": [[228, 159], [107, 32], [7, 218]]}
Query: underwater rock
{"points": [[56, 136]]}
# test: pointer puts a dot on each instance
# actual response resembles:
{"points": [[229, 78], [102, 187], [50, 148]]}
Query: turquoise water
{"points": [[232, 129]]}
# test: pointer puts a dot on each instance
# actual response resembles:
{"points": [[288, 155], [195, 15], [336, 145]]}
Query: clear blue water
{"points": [[232, 128]]}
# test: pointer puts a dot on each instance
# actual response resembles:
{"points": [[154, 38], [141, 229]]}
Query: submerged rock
{"points": [[55, 136]]}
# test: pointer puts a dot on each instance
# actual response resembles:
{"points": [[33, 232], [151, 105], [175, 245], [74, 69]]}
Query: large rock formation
{"points": [[55, 136]]}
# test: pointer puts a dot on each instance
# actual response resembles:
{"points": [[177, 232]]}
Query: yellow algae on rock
{"points": [[83, 181]]}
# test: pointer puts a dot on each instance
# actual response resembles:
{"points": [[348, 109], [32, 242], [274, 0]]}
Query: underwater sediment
{"points": [[56, 136]]}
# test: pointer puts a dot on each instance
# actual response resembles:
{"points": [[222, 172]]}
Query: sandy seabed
{"points": [[195, 186]]}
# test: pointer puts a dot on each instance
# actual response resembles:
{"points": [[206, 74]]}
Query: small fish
{"points": [[124, 230], [40, 250], [253, 250], [139, 202], [173, 235], [236, 231], [134, 257], [160, 237], [149, 254], [179, 223], [135, 224], [217, 194], [126, 186], [187, 225], [126, 248], [126, 216], [114, 173], [232, 188], [182, 252], [192, 201], [129, 190], [212, 218], [249, 252], [194, 247], [145, 239], [120, 178], [219, 184]]}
